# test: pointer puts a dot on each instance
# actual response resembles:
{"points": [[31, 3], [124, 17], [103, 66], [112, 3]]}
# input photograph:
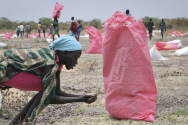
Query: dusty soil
{"points": [[171, 79]]}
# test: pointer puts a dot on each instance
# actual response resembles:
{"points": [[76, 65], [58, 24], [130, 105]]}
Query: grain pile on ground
{"points": [[171, 78]]}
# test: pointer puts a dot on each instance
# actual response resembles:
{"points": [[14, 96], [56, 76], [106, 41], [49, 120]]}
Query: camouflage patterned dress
{"points": [[30, 60]]}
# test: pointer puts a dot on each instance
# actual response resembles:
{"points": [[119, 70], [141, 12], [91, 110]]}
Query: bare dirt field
{"points": [[171, 78]]}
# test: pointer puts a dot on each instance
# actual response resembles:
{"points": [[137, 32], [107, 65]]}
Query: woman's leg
{"points": [[44, 32], [53, 37], [19, 118], [39, 33], [33, 106]]}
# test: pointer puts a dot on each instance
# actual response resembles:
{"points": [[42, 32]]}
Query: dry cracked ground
{"points": [[171, 78]]}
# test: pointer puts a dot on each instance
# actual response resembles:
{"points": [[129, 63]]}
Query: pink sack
{"points": [[166, 46], [130, 90], [62, 34], [95, 38], [7, 36], [57, 8]]}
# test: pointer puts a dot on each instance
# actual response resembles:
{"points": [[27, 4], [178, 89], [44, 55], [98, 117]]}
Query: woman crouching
{"points": [[38, 69]]}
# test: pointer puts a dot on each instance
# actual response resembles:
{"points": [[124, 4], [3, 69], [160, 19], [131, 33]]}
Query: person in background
{"points": [[21, 30], [55, 27], [51, 30], [18, 31], [127, 13], [39, 28], [44, 29], [79, 29], [73, 28], [28, 30], [162, 25], [150, 28]]}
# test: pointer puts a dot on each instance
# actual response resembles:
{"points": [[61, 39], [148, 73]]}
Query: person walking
{"points": [[44, 29], [150, 28], [21, 30], [79, 29], [51, 30], [162, 25], [28, 30], [73, 28], [39, 28], [18, 31], [55, 27]]}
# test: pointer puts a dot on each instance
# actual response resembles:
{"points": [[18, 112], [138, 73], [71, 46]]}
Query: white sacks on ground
{"points": [[13, 36], [49, 40], [129, 84], [3, 44], [182, 52], [155, 55], [176, 41]]}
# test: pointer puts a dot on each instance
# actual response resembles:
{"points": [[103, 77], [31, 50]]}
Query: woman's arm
{"points": [[38, 97], [58, 90]]}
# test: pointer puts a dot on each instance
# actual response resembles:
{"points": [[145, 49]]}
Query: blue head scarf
{"points": [[65, 42]]}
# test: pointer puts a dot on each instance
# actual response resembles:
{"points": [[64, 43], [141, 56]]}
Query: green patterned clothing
{"points": [[30, 60]]}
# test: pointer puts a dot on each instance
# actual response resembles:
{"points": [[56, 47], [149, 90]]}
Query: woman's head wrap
{"points": [[65, 42]]}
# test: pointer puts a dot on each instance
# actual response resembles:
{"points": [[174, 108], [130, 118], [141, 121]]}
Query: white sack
{"points": [[176, 41], [181, 52], [87, 36], [155, 55], [13, 36], [3, 44], [173, 35], [49, 40]]}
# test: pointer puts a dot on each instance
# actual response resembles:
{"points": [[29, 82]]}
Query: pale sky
{"points": [[32, 10]]}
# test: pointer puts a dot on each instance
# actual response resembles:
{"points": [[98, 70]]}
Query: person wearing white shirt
{"points": [[21, 30]]}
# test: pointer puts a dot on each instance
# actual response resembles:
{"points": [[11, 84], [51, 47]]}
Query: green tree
{"points": [[96, 23], [4, 19], [47, 21]]}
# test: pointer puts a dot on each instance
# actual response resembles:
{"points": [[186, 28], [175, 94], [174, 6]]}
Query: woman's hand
{"points": [[89, 98]]}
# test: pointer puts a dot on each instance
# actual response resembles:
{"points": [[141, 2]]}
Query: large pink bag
{"points": [[130, 89], [95, 38], [57, 8]]}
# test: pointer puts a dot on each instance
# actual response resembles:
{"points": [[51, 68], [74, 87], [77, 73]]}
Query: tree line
{"points": [[6, 24]]}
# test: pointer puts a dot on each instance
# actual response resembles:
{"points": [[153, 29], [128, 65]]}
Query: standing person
{"points": [[21, 30], [51, 30], [73, 28], [39, 28], [127, 13], [44, 76], [28, 30], [79, 29], [18, 31], [44, 29], [55, 27], [162, 25], [150, 28]]}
